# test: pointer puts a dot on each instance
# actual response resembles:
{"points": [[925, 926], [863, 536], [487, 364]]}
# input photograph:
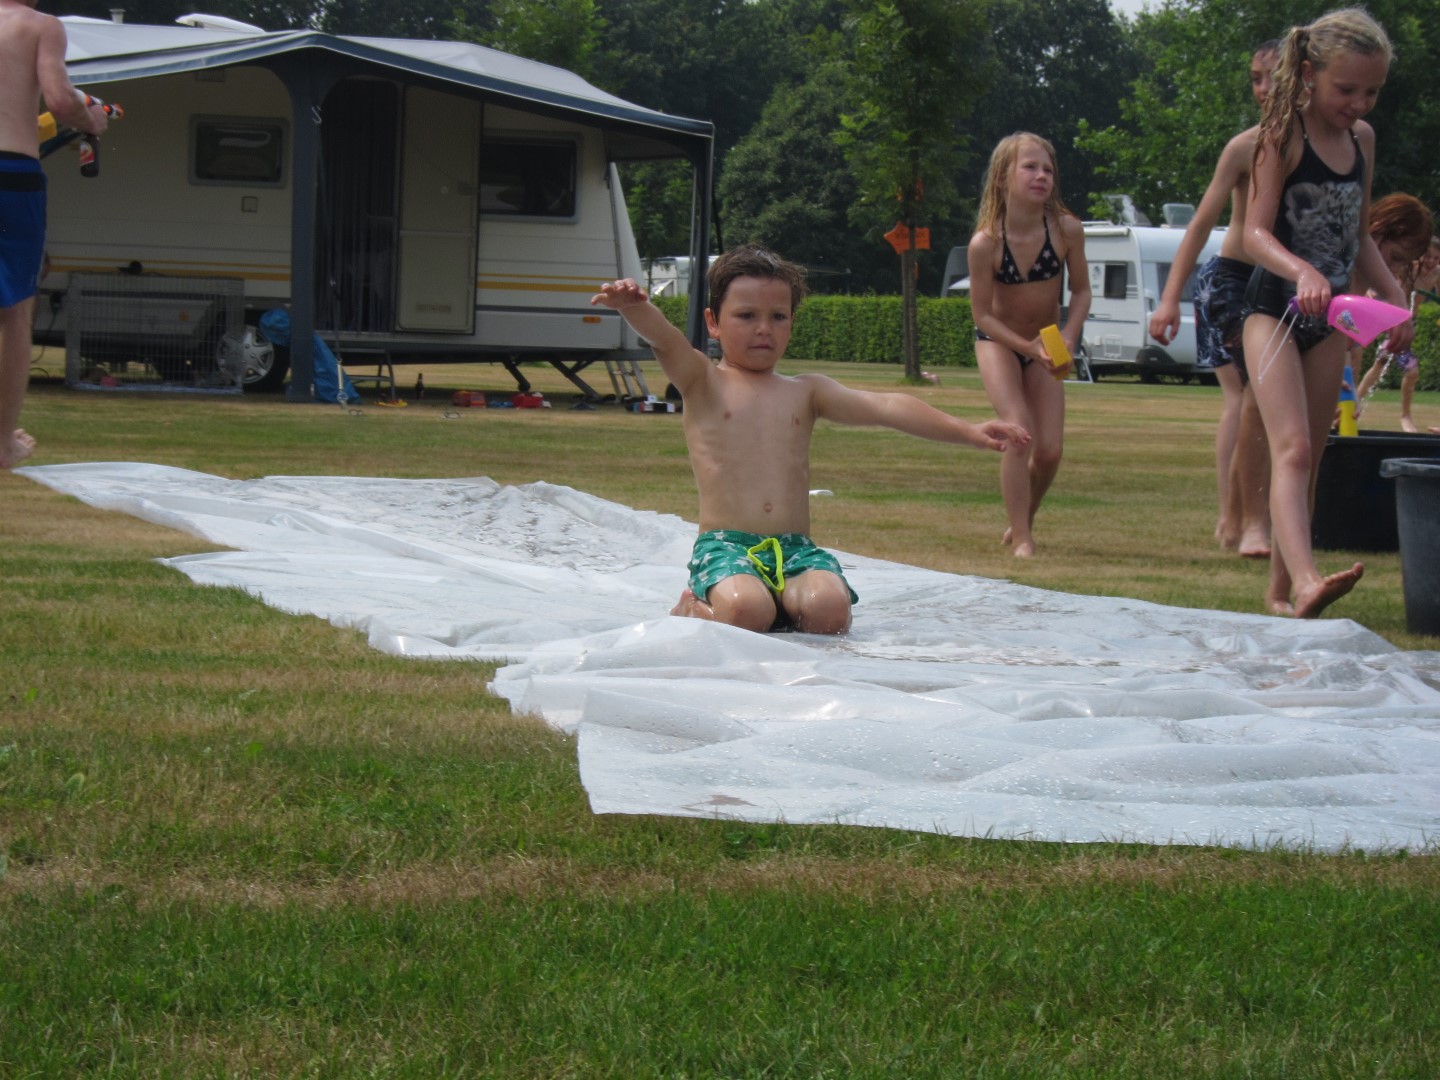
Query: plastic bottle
{"points": [[1348, 426], [89, 147]]}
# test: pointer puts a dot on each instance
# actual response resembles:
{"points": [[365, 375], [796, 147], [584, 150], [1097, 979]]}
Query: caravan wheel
{"points": [[265, 364]]}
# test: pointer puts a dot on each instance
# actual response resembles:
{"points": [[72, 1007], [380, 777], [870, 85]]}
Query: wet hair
{"points": [[1272, 45], [1342, 32], [1403, 220], [752, 260], [991, 216]]}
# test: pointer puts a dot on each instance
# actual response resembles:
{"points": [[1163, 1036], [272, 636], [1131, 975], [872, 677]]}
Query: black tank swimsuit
{"points": [[1319, 221]]}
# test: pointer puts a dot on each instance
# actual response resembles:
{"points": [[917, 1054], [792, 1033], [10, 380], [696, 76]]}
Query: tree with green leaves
{"points": [[1189, 98], [786, 185], [916, 70], [564, 33], [1056, 63]]}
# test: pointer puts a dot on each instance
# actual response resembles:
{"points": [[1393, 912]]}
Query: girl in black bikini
{"points": [[1307, 230], [1014, 294]]}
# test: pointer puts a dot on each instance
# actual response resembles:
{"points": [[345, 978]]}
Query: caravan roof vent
{"points": [[218, 22]]}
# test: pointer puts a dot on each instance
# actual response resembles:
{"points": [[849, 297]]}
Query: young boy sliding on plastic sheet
{"points": [[32, 65], [747, 429]]}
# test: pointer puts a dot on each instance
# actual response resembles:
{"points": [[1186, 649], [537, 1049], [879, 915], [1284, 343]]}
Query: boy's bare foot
{"points": [[686, 604], [1024, 550], [1005, 538], [1254, 543], [20, 446], [1408, 426], [1434, 430], [1278, 607], [1310, 602], [1225, 536]]}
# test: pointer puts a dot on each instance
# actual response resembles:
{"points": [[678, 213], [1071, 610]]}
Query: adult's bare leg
{"points": [[15, 444]]}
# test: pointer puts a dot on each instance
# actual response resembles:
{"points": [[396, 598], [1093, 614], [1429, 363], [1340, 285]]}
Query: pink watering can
{"points": [[1360, 318]]}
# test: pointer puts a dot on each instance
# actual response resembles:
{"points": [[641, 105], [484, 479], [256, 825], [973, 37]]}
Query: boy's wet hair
{"points": [[752, 260]]}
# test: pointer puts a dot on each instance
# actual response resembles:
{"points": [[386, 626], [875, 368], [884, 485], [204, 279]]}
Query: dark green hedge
{"points": [[866, 329], [1426, 347]]}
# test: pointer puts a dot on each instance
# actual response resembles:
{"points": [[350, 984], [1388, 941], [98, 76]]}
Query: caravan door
{"points": [[439, 203]]}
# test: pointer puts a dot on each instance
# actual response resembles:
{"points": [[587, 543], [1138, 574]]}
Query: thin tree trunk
{"points": [[911, 330]]}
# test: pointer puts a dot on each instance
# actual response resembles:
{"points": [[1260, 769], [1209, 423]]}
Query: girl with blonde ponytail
{"points": [[1307, 231]]}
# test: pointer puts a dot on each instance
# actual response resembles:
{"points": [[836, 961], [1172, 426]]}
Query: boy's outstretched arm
{"points": [[903, 412], [684, 365]]}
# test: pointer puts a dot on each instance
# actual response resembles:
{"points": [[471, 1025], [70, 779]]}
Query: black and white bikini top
{"points": [[1047, 263], [1319, 214]]}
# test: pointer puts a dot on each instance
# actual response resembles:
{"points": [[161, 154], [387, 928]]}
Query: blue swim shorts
{"points": [[1219, 303], [22, 227], [723, 553]]}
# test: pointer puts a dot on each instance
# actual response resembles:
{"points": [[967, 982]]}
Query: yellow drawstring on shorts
{"points": [[774, 578]]}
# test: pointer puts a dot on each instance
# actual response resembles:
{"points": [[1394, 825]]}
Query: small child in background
{"points": [[1419, 278], [1023, 223], [747, 430]]}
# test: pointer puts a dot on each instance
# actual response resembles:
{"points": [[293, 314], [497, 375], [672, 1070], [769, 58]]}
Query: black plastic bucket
{"points": [[1417, 510], [1354, 503]]}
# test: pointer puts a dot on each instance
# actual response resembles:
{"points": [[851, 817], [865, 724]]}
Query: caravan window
{"points": [[1187, 295], [528, 177], [237, 150], [1117, 278]]}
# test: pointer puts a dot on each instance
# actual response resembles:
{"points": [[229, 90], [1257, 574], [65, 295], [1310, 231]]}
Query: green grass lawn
{"points": [[235, 842]]}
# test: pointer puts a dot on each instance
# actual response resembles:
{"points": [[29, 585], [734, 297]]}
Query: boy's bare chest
{"points": [[749, 417]]}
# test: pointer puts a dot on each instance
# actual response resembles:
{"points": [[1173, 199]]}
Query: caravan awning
{"points": [[114, 52]]}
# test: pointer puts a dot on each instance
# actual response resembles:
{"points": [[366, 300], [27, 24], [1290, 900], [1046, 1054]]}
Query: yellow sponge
{"points": [[1055, 346], [47, 126]]}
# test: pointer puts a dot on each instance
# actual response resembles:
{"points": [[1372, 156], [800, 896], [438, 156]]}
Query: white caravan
{"points": [[1129, 266], [419, 200]]}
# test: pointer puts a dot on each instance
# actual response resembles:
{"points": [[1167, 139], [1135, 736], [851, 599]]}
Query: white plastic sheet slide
{"points": [[957, 705]]}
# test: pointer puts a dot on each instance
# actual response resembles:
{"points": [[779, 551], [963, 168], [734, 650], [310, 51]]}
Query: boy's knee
{"points": [[818, 602], [743, 601]]}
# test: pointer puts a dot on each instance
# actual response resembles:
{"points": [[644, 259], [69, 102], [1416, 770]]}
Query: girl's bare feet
{"points": [[1311, 601], [1254, 543], [19, 447]]}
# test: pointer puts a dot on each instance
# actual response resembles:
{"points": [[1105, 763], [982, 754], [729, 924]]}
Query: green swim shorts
{"points": [[723, 553]]}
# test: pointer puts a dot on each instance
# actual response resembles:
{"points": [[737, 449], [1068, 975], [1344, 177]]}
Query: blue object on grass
{"points": [[275, 324]]}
